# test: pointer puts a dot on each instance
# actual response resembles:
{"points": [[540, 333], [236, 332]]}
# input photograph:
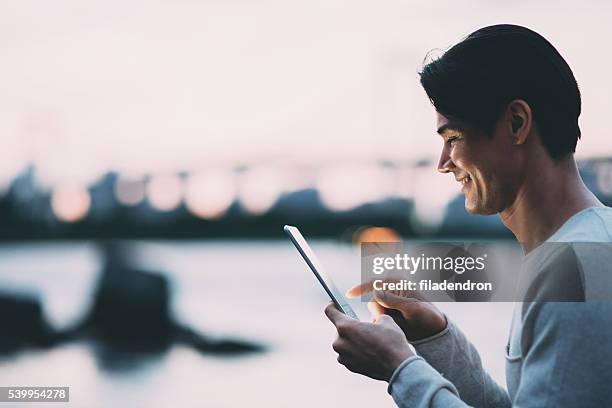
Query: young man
{"points": [[507, 109]]}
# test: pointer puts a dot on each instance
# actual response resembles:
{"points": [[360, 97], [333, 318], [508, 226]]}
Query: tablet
{"points": [[315, 266]]}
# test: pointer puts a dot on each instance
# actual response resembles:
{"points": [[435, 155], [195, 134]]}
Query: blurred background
{"points": [[152, 151]]}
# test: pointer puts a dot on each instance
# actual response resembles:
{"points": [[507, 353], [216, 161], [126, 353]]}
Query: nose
{"points": [[445, 164]]}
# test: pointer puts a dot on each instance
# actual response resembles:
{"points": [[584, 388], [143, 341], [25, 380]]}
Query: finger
{"points": [[375, 309], [337, 345], [366, 287], [392, 301], [334, 315], [385, 320], [359, 290]]}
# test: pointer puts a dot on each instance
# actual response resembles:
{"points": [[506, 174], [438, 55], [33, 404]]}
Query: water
{"points": [[248, 289]]}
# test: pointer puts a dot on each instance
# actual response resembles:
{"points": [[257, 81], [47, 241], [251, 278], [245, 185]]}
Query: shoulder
{"points": [[570, 291], [589, 225], [569, 272], [554, 273]]}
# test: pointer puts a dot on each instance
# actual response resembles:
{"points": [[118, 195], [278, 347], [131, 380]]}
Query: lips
{"points": [[463, 180]]}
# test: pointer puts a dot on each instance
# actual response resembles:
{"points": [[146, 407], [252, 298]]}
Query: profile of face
{"points": [[487, 167]]}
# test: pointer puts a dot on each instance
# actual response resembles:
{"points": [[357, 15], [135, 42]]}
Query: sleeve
{"points": [[564, 351], [565, 337], [448, 366], [416, 384], [566, 357]]}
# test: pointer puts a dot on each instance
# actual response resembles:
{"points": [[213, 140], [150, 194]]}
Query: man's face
{"points": [[484, 165]]}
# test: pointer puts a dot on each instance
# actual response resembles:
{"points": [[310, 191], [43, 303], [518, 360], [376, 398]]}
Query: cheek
{"points": [[463, 158], [479, 159], [458, 156], [493, 182]]}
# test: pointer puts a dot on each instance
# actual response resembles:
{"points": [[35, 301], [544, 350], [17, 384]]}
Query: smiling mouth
{"points": [[464, 181]]}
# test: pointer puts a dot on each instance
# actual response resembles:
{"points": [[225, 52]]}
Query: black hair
{"points": [[476, 79]]}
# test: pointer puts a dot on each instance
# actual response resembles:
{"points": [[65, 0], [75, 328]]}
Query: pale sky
{"points": [[142, 86]]}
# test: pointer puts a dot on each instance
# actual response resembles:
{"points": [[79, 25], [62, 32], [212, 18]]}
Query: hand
{"points": [[372, 349], [416, 317]]}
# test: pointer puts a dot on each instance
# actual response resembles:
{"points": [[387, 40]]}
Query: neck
{"points": [[547, 198]]}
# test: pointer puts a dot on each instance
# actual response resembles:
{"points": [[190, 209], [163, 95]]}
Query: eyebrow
{"points": [[446, 127]]}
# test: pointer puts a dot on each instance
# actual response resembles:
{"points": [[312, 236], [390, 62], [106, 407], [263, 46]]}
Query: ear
{"points": [[520, 121]]}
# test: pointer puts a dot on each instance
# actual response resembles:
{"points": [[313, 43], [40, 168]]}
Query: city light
{"points": [[130, 192], [260, 189], [209, 195], [165, 192], [70, 203], [343, 188], [375, 234]]}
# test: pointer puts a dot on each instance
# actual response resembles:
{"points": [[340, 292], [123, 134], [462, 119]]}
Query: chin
{"points": [[472, 210], [476, 209]]}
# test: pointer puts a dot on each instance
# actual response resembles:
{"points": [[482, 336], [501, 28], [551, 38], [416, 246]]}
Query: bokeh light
{"points": [[130, 191], [209, 195], [345, 187], [165, 192], [259, 189], [375, 234], [70, 203]]}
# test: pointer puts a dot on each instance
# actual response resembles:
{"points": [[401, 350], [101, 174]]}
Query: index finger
{"points": [[359, 290], [367, 287]]}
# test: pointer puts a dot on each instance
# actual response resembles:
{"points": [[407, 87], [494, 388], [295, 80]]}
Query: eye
{"points": [[452, 140]]}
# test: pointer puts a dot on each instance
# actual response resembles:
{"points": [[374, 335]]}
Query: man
{"points": [[507, 109]]}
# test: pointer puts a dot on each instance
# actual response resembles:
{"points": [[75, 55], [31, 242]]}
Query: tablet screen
{"points": [[315, 266]]}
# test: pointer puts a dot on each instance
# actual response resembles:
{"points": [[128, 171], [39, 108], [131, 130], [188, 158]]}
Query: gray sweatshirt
{"points": [[558, 353]]}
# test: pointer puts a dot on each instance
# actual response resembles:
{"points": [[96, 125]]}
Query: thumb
{"points": [[334, 315], [385, 320], [392, 301]]}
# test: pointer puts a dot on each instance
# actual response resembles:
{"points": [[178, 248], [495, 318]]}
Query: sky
{"points": [[144, 86]]}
